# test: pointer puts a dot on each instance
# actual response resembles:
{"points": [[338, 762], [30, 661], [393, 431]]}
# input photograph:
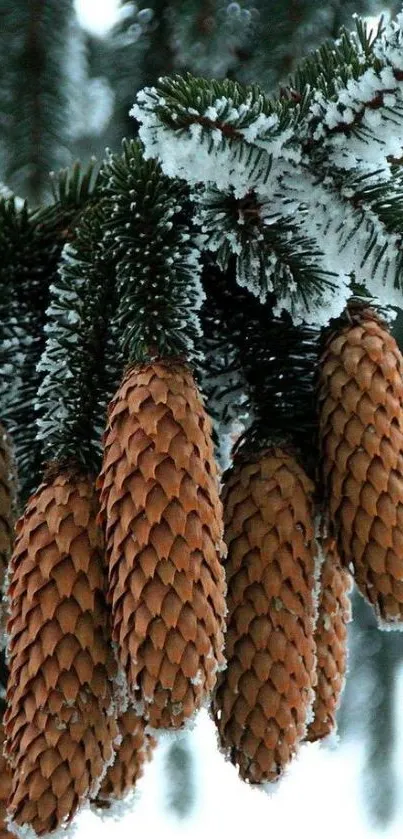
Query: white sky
{"points": [[97, 15], [321, 795]]}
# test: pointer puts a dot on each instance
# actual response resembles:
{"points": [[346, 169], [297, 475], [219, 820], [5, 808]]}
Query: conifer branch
{"points": [[151, 240], [233, 139], [273, 254], [34, 92], [30, 247], [80, 363], [278, 361], [218, 132]]}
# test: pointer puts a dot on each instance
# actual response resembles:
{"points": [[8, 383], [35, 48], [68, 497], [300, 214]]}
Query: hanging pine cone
{"points": [[361, 435], [58, 722], [263, 698], [334, 612], [134, 751], [5, 788], [7, 501], [163, 520]]}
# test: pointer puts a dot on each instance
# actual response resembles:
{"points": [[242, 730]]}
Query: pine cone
{"points": [[5, 788], [264, 696], [134, 751], [361, 434], [7, 501], [163, 519], [58, 721], [334, 612]]}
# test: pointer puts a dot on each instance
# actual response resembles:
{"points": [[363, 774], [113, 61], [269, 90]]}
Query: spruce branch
{"points": [[15, 238], [355, 87], [158, 269], [30, 247], [221, 375], [215, 131], [80, 364], [293, 150], [278, 361], [28, 257], [273, 254], [379, 218], [34, 97]]}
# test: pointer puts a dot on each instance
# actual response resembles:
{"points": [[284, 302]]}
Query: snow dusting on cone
{"points": [[134, 751], [334, 613], [264, 697], [163, 518], [5, 788], [59, 729], [361, 433]]}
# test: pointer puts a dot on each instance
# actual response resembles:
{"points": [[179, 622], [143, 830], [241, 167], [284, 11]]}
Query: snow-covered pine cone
{"points": [[263, 699], [135, 750], [162, 515], [361, 436], [59, 729], [334, 613]]}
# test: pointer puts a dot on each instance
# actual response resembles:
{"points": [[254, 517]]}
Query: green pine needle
{"points": [[149, 234]]}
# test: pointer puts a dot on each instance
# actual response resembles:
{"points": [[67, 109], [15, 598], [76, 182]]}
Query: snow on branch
{"points": [[274, 252], [216, 132], [304, 157]]}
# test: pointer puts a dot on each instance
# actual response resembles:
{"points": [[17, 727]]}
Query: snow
{"points": [[388, 625], [274, 167], [106, 15], [203, 153], [118, 808]]}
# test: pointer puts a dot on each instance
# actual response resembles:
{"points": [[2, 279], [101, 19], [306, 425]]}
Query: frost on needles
{"points": [[151, 239], [80, 364], [302, 189]]}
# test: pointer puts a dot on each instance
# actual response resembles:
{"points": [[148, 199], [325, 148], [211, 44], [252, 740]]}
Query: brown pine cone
{"points": [[59, 728], [361, 435], [163, 519], [7, 501], [134, 751], [263, 698], [334, 612], [5, 788]]}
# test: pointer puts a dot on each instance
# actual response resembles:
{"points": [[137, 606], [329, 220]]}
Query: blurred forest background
{"points": [[65, 95]]}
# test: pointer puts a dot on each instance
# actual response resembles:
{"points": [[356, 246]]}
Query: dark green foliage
{"points": [[246, 41], [273, 252], [34, 105], [285, 30], [334, 62], [186, 98], [150, 238], [81, 363], [30, 247], [276, 358], [28, 259]]}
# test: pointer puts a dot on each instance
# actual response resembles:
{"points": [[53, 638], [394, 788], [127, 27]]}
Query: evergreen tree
{"points": [[234, 245]]}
